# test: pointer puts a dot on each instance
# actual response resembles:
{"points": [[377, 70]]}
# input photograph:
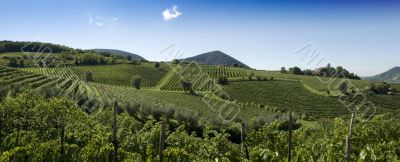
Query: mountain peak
{"points": [[216, 58]]}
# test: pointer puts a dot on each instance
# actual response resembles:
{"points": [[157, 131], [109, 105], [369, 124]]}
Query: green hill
{"points": [[37, 47], [120, 53], [216, 58], [390, 76]]}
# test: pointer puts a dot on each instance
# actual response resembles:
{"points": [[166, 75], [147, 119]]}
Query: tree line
{"points": [[327, 71]]}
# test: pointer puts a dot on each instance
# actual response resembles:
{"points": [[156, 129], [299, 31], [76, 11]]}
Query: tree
{"points": [[129, 58], [187, 86], [115, 129], [223, 80], [259, 77], [175, 61], [12, 62], [156, 65], [136, 81], [308, 72], [295, 70], [283, 70], [343, 88], [88, 76], [381, 88], [3, 92], [21, 63], [251, 75]]}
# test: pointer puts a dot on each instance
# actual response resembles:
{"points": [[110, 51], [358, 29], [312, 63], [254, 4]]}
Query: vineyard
{"points": [[119, 75], [291, 95], [202, 76], [320, 84], [15, 77], [191, 119], [178, 100]]}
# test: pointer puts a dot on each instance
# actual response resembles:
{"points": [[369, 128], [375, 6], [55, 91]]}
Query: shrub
{"points": [[258, 77], [188, 87], [156, 65], [136, 81], [251, 75], [381, 88], [175, 61], [223, 80], [88, 76], [13, 62]]}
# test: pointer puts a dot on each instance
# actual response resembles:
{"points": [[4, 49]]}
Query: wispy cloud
{"points": [[114, 19], [99, 24], [95, 20], [170, 14], [90, 19]]}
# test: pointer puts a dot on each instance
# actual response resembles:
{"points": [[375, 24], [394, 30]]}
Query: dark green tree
{"points": [[223, 80], [187, 86], [88, 76], [283, 70], [156, 65], [13, 62], [129, 58], [295, 70], [136, 81]]}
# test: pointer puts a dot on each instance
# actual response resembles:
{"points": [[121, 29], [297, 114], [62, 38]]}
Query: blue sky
{"points": [[361, 35]]}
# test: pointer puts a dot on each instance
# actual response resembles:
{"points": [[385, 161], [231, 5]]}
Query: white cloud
{"points": [[90, 18], [170, 14], [95, 20], [99, 24], [114, 19]]}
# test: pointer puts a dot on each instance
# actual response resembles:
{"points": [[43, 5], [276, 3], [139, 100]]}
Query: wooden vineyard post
{"points": [[115, 134], [290, 145], [161, 143], [348, 139], [62, 142], [243, 139]]}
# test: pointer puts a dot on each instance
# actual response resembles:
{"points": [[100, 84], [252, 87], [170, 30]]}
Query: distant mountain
{"points": [[216, 58], [390, 76], [121, 53]]}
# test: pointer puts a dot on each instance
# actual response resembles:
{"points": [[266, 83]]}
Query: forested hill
{"points": [[216, 58], [25, 46], [119, 52], [390, 76]]}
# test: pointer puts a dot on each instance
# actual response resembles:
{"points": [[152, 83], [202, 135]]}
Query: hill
{"points": [[390, 76], [121, 53], [37, 47], [216, 58]]}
